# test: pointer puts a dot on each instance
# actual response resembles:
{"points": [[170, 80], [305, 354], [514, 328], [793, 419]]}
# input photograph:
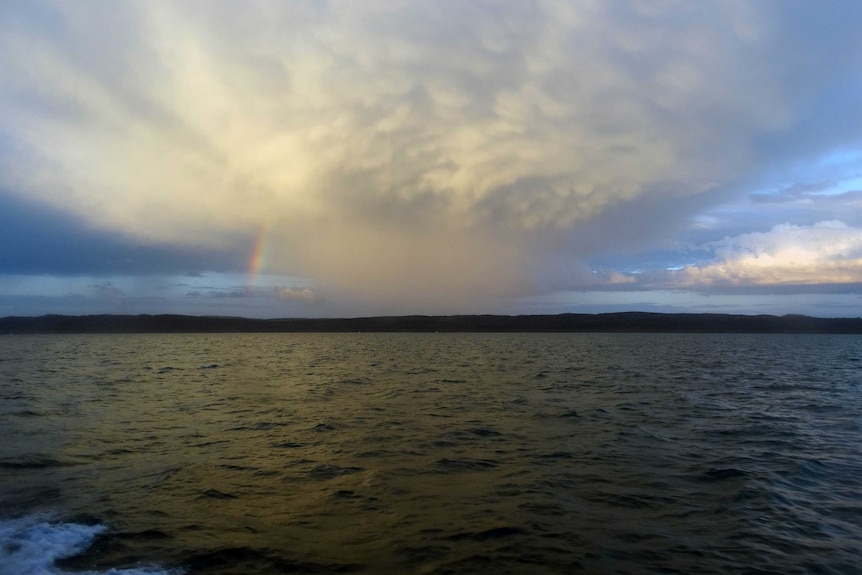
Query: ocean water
{"points": [[430, 454]]}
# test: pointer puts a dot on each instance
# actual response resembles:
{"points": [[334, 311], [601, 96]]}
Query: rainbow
{"points": [[258, 256]]}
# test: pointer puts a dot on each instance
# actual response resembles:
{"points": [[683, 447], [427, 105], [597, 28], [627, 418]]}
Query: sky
{"points": [[319, 158]]}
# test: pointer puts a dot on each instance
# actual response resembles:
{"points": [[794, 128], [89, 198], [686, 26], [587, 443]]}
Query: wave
{"points": [[34, 545]]}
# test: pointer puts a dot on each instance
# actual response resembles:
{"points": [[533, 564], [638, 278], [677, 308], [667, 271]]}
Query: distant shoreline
{"points": [[622, 322]]}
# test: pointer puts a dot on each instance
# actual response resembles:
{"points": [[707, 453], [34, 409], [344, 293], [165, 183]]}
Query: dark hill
{"points": [[607, 322]]}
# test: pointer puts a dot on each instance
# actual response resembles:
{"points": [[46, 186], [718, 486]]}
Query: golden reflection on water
{"points": [[421, 452]]}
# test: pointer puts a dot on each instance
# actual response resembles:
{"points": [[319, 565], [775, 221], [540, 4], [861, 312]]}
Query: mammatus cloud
{"points": [[422, 153], [825, 253]]}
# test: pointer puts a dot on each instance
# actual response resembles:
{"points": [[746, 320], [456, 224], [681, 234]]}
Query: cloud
{"points": [[305, 295], [109, 292], [296, 294], [437, 154], [825, 253], [35, 239]]}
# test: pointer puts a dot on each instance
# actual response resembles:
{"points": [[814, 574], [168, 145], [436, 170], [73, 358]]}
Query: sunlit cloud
{"points": [[825, 253], [413, 153]]}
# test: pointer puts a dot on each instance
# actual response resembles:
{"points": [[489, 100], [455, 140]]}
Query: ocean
{"points": [[430, 453]]}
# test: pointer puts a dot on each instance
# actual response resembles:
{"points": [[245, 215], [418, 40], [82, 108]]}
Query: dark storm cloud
{"points": [[37, 239]]}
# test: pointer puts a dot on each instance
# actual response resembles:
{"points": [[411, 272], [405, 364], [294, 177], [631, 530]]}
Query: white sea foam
{"points": [[31, 546]]}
